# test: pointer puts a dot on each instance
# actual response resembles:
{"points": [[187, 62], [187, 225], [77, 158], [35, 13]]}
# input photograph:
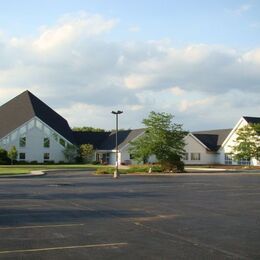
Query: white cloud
{"points": [[241, 9], [75, 70], [134, 29]]}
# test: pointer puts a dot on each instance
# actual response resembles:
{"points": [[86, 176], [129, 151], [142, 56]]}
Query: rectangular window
{"points": [[46, 142], [195, 156], [39, 124], [31, 124], [186, 156], [62, 142], [244, 162], [228, 159], [21, 156], [22, 141], [46, 156]]}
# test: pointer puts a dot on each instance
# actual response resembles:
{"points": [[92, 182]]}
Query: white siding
{"points": [[230, 141], [34, 149], [193, 146]]}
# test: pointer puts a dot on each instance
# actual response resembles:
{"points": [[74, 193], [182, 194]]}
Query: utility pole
{"points": [[116, 172]]}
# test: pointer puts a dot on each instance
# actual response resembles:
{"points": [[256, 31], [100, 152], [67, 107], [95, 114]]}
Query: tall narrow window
{"points": [[228, 159], [62, 142], [46, 142], [46, 156], [186, 156], [21, 156], [22, 141]]}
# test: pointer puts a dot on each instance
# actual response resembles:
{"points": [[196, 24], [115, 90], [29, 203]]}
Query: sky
{"points": [[198, 60]]}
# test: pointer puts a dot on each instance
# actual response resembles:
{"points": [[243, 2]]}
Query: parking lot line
{"points": [[43, 226], [62, 248]]}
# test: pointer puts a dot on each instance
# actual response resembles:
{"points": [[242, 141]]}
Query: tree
{"points": [[162, 138], [12, 154], [140, 149], [4, 157], [87, 129], [70, 152], [247, 143], [86, 152]]}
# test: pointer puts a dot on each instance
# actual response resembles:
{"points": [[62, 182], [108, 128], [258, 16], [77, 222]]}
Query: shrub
{"points": [[173, 166], [4, 157]]}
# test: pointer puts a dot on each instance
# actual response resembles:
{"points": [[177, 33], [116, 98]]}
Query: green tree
{"points": [[247, 143], [162, 138], [4, 157], [87, 129], [140, 149], [12, 154], [70, 152], [86, 152]]}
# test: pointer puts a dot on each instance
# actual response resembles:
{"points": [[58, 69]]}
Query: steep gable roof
{"points": [[252, 120], [212, 138], [25, 106]]}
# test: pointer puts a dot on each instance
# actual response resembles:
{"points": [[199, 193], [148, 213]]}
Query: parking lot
{"points": [[76, 215]]}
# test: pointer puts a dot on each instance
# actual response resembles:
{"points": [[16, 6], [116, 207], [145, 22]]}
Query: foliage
{"points": [[140, 149], [70, 152], [87, 129], [4, 157], [162, 138], [86, 152], [247, 143], [12, 154], [131, 169]]}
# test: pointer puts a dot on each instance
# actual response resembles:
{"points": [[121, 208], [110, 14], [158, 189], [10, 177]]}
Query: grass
{"points": [[23, 169]]}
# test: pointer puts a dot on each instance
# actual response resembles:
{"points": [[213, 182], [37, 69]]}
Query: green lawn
{"points": [[22, 169]]}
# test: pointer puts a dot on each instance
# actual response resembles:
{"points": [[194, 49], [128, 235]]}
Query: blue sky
{"points": [[194, 59], [234, 23]]}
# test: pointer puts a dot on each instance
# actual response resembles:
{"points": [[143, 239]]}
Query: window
{"points": [[228, 159], [55, 136], [244, 162], [46, 142], [21, 156], [186, 156], [22, 141], [31, 124], [46, 130], [62, 142], [39, 124], [195, 156], [14, 135], [46, 156], [23, 130]]}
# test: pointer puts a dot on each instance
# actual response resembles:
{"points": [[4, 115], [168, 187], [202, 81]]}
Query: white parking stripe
{"points": [[62, 248], [45, 226]]}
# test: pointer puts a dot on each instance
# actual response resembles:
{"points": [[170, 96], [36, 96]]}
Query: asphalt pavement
{"points": [[76, 215]]}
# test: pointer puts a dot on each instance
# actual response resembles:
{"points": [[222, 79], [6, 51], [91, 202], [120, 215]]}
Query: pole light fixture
{"points": [[116, 172]]}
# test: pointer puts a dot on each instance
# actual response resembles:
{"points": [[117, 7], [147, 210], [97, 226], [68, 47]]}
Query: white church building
{"points": [[41, 135]]}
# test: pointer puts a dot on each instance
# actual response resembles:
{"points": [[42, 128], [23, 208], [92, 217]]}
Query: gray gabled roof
{"points": [[124, 137], [252, 120], [213, 139], [24, 107], [107, 140]]}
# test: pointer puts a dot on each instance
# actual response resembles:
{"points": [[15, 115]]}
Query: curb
{"points": [[31, 174]]}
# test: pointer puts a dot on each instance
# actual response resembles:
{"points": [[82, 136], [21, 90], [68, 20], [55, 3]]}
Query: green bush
{"points": [[4, 157], [173, 166]]}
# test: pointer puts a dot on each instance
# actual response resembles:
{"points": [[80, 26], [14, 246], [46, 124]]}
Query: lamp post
{"points": [[118, 112]]}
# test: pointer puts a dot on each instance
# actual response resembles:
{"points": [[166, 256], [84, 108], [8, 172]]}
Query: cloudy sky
{"points": [[199, 60]]}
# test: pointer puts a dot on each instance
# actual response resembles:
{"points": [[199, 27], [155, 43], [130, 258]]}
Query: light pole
{"points": [[118, 112]]}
